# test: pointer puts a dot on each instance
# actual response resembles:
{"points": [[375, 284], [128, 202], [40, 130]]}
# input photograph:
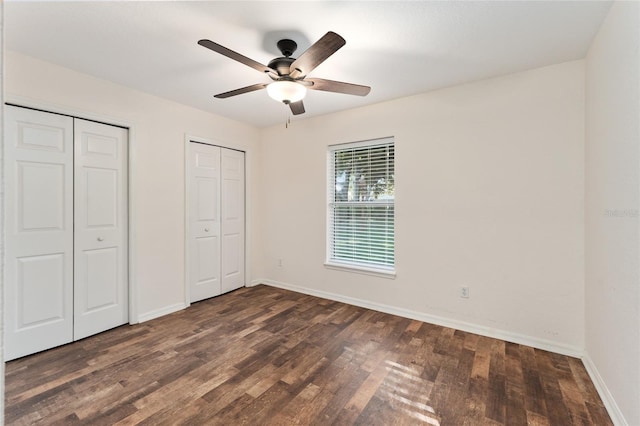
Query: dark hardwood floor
{"points": [[263, 355]]}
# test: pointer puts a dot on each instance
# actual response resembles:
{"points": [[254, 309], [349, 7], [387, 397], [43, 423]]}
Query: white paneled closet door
{"points": [[216, 217], [233, 221], [62, 284], [38, 298], [100, 231], [204, 221]]}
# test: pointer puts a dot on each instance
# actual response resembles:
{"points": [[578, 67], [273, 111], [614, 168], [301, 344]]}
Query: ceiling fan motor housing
{"points": [[281, 65]]}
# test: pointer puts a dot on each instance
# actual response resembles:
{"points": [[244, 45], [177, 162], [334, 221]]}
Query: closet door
{"points": [[100, 237], [38, 303], [233, 222], [203, 176]]}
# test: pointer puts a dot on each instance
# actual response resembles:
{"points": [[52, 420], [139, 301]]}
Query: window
{"points": [[361, 180]]}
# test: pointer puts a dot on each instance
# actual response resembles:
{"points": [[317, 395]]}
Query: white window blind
{"points": [[361, 217]]}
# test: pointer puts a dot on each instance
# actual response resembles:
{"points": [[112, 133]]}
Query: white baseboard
{"points": [[508, 336], [157, 313], [607, 399], [255, 283]]}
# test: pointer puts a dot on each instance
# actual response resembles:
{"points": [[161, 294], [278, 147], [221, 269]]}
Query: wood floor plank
{"points": [[263, 355], [514, 385], [496, 395], [363, 394]]}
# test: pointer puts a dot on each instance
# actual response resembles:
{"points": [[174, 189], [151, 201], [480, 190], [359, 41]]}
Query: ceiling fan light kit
{"points": [[286, 91], [289, 74]]}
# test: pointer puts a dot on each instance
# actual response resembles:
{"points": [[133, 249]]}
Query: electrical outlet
{"points": [[464, 292]]}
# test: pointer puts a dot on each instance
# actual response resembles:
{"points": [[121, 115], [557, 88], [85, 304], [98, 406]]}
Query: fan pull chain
{"points": [[287, 121]]}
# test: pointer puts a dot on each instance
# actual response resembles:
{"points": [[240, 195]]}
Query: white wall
{"points": [[612, 209], [490, 194], [158, 176], [1, 214]]}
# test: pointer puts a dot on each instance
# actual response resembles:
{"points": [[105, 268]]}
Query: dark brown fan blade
{"points": [[316, 54], [297, 108], [235, 56], [338, 87], [241, 91]]}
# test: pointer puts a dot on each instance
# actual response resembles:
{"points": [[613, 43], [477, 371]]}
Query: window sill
{"points": [[376, 272]]}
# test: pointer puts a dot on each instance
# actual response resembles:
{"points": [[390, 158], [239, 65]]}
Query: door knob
{"points": [[206, 229], [100, 239]]}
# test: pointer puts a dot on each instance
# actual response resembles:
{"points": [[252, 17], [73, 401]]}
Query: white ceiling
{"points": [[399, 48]]}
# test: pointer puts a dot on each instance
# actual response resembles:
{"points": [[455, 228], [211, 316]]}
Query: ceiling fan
{"points": [[289, 75]]}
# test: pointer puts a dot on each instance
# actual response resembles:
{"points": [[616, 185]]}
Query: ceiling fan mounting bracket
{"points": [[287, 46]]}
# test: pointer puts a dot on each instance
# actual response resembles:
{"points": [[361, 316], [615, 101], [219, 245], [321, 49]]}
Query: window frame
{"points": [[331, 262]]}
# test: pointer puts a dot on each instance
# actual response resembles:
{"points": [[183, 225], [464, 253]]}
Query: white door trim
{"points": [[187, 141], [58, 109]]}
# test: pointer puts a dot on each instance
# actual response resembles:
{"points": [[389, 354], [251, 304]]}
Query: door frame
{"points": [[188, 139], [23, 102]]}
